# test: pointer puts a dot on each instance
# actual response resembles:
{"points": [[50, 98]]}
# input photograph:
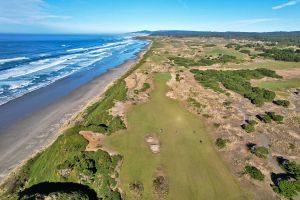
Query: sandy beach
{"points": [[34, 132]]}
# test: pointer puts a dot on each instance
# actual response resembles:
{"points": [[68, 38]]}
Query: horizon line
{"points": [[139, 31]]}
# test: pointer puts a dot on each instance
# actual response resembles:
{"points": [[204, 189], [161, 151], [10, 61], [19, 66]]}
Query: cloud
{"points": [[290, 3], [26, 12]]}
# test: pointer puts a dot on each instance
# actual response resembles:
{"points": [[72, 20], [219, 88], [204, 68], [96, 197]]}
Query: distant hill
{"points": [[143, 32], [280, 36]]}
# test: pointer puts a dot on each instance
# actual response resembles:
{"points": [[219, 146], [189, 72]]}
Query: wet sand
{"points": [[30, 133]]}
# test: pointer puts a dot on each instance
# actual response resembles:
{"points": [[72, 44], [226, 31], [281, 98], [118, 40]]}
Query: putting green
{"points": [[194, 169]]}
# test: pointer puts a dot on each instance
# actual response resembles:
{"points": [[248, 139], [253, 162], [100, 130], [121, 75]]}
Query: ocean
{"points": [[30, 62]]}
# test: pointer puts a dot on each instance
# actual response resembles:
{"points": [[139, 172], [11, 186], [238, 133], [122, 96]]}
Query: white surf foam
{"points": [[34, 67], [6, 60], [77, 49], [40, 71]]}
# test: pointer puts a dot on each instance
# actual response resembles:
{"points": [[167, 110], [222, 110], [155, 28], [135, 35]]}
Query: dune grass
{"points": [[194, 169], [70, 148]]}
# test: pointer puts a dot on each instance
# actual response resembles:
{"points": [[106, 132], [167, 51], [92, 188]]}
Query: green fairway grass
{"points": [[269, 64], [215, 51], [194, 169], [281, 84]]}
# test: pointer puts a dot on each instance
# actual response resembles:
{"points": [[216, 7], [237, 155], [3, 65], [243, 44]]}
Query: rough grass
{"points": [[281, 84], [194, 170], [97, 116], [44, 167]]}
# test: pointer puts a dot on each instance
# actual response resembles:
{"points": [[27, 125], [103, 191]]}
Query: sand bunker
{"points": [[95, 140], [153, 144]]}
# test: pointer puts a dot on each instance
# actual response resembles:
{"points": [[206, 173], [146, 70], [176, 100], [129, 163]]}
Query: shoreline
{"points": [[41, 128]]}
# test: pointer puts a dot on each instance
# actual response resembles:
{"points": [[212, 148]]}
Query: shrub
{"points": [[287, 188], [254, 173], [245, 51], [252, 122], [161, 186], [249, 127], [262, 152], [264, 118], [282, 54], [217, 125], [209, 45], [274, 117], [227, 103], [230, 45], [195, 103], [188, 62], [237, 81], [221, 143], [284, 103], [178, 78], [290, 185], [145, 87], [137, 188]]}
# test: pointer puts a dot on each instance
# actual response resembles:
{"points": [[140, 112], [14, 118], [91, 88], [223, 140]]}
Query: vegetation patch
{"points": [[195, 103], [275, 117], [269, 116], [237, 81], [145, 87], [246, 51], [249, 126], [259, 151], [93, 169], [209, 45], [178, 78], [160, 186], [264, 118], [254, 173], [284, 103], [137, 188], [221, 143], [288, 185], [288, 54], [97, 116], [189, 62], [237, 46], [262, 152]]}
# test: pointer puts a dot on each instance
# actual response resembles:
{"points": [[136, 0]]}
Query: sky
{"points": [[116, 16]]}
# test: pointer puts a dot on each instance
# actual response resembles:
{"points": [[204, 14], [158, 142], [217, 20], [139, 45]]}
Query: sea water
{"points": [[30, 62]]}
